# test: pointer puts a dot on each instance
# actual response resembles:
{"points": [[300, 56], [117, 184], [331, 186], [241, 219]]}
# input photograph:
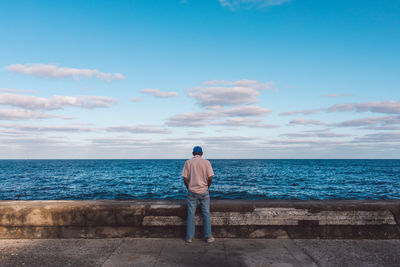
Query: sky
{"points": [[241, 78]]}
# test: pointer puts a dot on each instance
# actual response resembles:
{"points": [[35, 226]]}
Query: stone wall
{"points": [[375, 219]]}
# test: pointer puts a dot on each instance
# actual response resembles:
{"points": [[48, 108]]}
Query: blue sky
{"points": [[242, 78]]}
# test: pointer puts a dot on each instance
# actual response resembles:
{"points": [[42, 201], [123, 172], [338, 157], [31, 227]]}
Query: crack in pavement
{"points": [[112, 253]]}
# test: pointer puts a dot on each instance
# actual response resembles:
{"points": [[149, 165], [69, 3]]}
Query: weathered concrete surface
{"points": [[327, 252], [56, 252], [377, 219], [175, 252]]}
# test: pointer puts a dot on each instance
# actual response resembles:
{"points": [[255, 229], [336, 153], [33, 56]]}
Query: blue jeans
{"points": [[204, 200]]}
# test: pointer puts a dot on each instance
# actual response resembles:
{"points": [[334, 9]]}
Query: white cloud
{"points": [[245, 111], [241, 83], [217, 140], [55, 102], [193, 119], [228, 139], [211, 96], [31, 144], [116, 142], [21, 114], [381, 128], [391, 137], [316, 134], [247, 122], [302, 112], [150, 129], [388, 107], [159, 93], [247, 4], [215, 95], [13, 133], [134, 145], [304, 142], [305, 122], [370, 121], [229, 129], [234, 117], [54, 71], [46, 128], [194, 132], [228, 93], [9, 90], [231, 146], [118, 76]]}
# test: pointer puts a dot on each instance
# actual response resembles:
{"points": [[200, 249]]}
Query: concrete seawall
{"points": [[356, 219]]}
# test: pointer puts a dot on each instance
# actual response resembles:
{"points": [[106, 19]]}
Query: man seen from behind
{"points": [[197, 176]]}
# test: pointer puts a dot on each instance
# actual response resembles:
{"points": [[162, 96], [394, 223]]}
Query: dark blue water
{"points": [[234, 179]]}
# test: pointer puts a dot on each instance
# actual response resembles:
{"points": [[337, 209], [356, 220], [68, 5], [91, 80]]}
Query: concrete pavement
{"points": [[175, 252]]}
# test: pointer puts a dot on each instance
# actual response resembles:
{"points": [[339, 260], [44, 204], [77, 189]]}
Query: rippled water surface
{"points": [[234, 179]]}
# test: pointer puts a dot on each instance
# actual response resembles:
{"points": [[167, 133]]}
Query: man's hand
{"points": [[209, 181], [186, 181]]}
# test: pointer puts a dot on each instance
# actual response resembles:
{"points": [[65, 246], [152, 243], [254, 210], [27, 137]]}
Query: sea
{"points": [[308, 179]]}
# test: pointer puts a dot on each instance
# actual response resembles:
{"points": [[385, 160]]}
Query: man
{"points": [[197, 176]]}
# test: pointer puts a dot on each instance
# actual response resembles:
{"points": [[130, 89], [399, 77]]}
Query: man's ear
{"points": [[201, 154]]}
